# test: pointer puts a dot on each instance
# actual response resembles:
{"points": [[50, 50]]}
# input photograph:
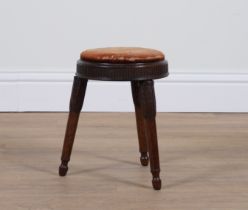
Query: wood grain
{"points": [[203, 163]]}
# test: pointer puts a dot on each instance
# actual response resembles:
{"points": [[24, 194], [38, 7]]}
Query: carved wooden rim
{"points": [[122, 72]]}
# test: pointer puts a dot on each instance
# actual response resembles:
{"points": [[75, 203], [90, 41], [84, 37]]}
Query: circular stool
{"points": [[140, 66]]}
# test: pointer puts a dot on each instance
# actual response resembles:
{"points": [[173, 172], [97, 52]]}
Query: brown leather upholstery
{"points": [[122, 55]]}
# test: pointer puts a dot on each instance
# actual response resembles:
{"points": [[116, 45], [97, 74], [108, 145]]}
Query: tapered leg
{"points": [[76, 103], [140, 123], [148, 106]]}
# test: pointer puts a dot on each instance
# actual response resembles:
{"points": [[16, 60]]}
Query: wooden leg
{"points": [[140, 123], [76, 103], [148, 104]]}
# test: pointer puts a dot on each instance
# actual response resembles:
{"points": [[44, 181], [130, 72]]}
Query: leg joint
{"points": [[78, 93], [148, 100]]}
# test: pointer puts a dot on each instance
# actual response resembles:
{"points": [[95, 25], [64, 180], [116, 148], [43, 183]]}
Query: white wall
{"points": [[201, 39]]}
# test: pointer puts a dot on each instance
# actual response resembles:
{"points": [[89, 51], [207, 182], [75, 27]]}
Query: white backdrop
{"points": [[205, 41]]}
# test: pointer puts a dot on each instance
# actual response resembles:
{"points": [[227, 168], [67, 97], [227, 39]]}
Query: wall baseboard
{"points": [[49, 90]]}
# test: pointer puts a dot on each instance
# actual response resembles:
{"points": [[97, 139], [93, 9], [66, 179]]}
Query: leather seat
{"points": [[122, 55]]}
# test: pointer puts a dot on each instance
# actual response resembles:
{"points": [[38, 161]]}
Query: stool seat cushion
{"points": [[122, 55]]}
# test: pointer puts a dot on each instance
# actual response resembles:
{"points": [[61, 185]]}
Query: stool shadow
{"points": [[40, 169], [116, 160], [205, 176], [120, 180], [89, 170]]}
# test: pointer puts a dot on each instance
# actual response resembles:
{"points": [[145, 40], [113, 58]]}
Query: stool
{"points": [[140, 66]]}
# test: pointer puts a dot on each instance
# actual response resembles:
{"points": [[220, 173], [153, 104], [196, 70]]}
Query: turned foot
{"points": [[76, 103], [144, 159], [156, 183], [148, 107], [63, 168]]}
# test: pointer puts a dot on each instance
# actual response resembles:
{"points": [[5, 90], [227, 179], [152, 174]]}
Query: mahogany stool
{"points": [[140, 66]]}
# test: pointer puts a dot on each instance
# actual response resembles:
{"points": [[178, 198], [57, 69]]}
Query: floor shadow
{"points": [[120, 180], [41, 169], [205, 176], [117, 160], [89, 170]]}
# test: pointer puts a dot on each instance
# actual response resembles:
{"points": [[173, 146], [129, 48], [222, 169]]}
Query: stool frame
{"points": [[141, 76]]}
